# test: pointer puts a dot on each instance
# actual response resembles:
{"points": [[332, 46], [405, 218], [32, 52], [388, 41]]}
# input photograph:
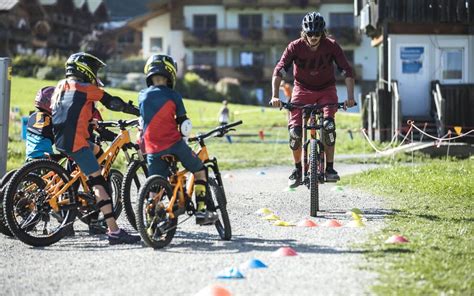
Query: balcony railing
{"points": [[270, 3], [238, 36], [200, 37], [346, 35], [246, 73]]}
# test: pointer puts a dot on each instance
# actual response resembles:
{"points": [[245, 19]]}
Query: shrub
{"points": [[27, 65]]}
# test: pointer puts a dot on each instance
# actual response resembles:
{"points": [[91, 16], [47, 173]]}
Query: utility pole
{"points": [[5, 84]]}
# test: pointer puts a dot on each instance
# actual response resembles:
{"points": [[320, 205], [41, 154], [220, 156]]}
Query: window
{"points": [[249, 58], [452, 63], [127, 37], [204, 58], [204, 21], [292, 21], [156, 44], [341, 20], [250, 26]]}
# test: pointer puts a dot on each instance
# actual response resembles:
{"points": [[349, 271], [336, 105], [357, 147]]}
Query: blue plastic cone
{"points": [[254, 263], [230, 273]]}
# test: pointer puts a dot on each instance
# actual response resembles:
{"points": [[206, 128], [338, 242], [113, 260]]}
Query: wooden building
{"points": [[425, 64]]}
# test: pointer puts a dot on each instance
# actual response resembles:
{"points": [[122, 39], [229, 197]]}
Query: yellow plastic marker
{"points": [[271, 217], [264, 211], [458, 130], [282, 223]]}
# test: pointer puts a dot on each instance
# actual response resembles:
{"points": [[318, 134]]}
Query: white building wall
{"points": [[172, 41], [191, 10], [414, 88]]}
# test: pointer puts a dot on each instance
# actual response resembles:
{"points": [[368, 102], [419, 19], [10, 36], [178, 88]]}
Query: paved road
{"points": [[327, 263]]}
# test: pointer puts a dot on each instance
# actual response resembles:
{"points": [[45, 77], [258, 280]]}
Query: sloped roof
{"points": [[94, 4], [6, 5]]}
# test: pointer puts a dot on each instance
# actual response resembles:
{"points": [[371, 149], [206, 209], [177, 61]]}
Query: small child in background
{"points": [[39, 133], [224, 114]]}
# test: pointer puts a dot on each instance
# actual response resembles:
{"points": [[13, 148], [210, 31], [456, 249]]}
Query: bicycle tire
{"points": [[132, 179], [36, 169], [218, 197], [3, 186], [313, 178], [153, 184], [115, 180]]}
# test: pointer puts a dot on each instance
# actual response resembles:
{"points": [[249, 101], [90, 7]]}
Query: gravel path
{"points": [[327, 263]]}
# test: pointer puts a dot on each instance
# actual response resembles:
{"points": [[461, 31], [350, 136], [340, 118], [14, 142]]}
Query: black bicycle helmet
{"points": [[313, 22], [160, 64], [85, 67]]}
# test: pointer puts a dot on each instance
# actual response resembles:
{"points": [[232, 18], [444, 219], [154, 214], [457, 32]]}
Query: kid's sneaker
{"points": [[122, 238]]}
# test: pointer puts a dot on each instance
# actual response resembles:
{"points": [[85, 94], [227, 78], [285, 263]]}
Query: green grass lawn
{"points": [[433, 207], [247, 149]]}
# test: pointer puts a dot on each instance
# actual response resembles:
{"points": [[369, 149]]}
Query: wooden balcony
{"points": [[237, 36], [275, 36], [269, 3], [246, 73], [199, 37]]}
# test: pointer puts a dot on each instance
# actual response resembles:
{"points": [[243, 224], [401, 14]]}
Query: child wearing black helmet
{"points": [[72, 106], [162, 111]]}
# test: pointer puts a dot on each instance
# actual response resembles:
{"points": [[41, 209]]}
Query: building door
{"points": [[413, 76]]}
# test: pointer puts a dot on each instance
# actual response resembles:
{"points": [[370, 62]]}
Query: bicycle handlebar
{"points": [[312, 107], [218, 131], [119, 123]]}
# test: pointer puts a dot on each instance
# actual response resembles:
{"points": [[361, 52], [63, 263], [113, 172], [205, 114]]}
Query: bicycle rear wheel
{"points": [[136, 174], [313, 178], [26, 203], [154, 224], [219, 204]]}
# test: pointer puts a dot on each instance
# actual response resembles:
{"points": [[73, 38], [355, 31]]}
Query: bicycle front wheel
{"points": [[154, 224], [313, 178], [219, 204], [3, 187], [26, 203], [136, 174]]}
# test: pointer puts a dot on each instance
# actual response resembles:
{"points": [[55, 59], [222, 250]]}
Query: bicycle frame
{"points": [[178, 179], [56, 189]]}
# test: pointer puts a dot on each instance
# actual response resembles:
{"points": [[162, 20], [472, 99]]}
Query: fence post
{"points": [[5, 83]]}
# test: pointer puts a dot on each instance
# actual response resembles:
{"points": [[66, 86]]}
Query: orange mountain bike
{"points": [[41, 198], [161, 200]]}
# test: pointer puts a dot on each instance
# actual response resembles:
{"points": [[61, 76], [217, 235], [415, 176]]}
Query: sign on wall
{"points": [[412, 59]]}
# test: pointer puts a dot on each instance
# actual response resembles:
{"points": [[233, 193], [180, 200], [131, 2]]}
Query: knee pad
{"points": [[329, 127], [99, 180], [295, 137]]}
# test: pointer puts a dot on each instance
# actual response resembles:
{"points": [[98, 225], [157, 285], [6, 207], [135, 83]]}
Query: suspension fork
{"points": [[305, 142]]}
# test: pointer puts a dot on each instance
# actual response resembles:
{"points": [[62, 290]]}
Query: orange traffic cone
{"points": [[307, 223], [214, 290], [332, 223], [396, 239], [284, 252]]}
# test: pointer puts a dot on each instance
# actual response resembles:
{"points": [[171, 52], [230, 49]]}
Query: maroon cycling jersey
{"points": [[313, 70]]}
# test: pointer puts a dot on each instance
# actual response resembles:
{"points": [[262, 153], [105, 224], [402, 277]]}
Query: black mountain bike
{"points": [[314, 161]]}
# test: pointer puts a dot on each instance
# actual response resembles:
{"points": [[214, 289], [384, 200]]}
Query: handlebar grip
{"points": [[233, 124]]}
